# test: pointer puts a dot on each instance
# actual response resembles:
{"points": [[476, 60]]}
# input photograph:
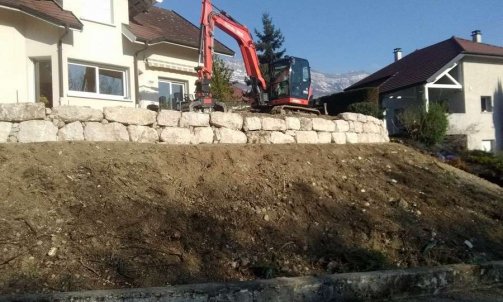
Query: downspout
{"points": [[60, 64], [137, 75]]}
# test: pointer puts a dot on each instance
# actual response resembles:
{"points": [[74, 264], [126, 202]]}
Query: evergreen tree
{"points": [[270, 41], [221, 87]]}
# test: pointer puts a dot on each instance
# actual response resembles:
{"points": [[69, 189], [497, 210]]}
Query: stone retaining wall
{"points": [[31, 122]]}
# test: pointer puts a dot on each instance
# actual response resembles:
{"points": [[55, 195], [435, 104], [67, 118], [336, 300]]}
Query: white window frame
{"points": [[97, 94], [112, 15], [485, 97], [177, 82]]}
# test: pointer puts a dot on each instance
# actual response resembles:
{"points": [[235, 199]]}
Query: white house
{"points": [[96, 53], [467, 75]]}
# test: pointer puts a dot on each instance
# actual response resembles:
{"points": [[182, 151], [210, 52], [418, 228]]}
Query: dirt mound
{"points": [[93, 216]]}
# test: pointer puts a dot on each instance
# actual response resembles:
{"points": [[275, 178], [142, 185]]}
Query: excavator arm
{"points": [[293, 92], [211, 19]]}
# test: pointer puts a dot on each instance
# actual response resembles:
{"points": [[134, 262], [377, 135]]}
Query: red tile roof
{"points": [[417, 67], [470, 47], [146, 33], [158, 24], [45, 9]]}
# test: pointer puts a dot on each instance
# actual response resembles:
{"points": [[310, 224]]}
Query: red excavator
{"points": [[290, 77]]}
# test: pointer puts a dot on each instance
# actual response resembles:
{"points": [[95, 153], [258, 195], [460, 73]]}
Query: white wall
{"points": [[121, 9], [149, 76], [24, 39], [13, 71], [41, 43], [482, 77], [479, 77], [100, 44]]}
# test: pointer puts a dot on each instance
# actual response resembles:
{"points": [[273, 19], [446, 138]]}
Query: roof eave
{"points": [[134, 39], [49, 19], [482, 55], [167, 41], [28, 10], [361, 84], [421, 83]]}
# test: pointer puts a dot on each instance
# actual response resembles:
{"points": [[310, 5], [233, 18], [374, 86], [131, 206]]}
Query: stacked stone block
{"points": [[32, 122]]}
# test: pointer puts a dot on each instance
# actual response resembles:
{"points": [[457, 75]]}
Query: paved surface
{"points": [[482, 295]]}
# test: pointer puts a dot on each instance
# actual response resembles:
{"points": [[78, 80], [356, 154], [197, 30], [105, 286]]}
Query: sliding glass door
{"points": [[171, 94]]}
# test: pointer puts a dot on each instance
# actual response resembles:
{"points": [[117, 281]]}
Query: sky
{"points": [[339, 36]]}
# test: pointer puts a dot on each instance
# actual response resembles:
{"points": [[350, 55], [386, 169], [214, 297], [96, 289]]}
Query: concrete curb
{"points": [[342, 287]]}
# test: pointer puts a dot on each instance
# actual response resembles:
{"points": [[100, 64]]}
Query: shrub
{"points": [[426, 127], [366, 108], [435, 124], [221, 87], [486, 158], [489, 166]]}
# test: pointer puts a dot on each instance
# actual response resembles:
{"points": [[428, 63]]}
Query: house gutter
{"points": [[157, 42], [60, 63], [137, 75]]}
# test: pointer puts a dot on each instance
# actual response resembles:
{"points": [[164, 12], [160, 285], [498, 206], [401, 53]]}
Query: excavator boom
{"points": [[293, 89], [211, 19]]}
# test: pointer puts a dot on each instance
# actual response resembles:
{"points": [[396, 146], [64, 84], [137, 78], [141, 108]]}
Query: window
{"points": [[87, 80], [487, 145], [43, 81], [280, 80], [486, 104], [98, 10], [397, 118], [171, 94]]}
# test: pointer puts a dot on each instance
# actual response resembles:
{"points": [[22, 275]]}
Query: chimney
{"points": [[398, 54], [477, 36]]}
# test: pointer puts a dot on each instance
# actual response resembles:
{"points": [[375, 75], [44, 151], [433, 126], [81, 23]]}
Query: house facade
{"points": [[465, 75], [96, 53]]}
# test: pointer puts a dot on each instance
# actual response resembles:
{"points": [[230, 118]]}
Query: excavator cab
{"points": [[290, 82]]}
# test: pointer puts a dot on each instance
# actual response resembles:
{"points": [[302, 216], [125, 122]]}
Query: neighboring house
{"points": [[96, 53], [466, 75]]}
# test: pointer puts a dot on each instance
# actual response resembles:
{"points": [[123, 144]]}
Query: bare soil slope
{"points": [[93, 216]]}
